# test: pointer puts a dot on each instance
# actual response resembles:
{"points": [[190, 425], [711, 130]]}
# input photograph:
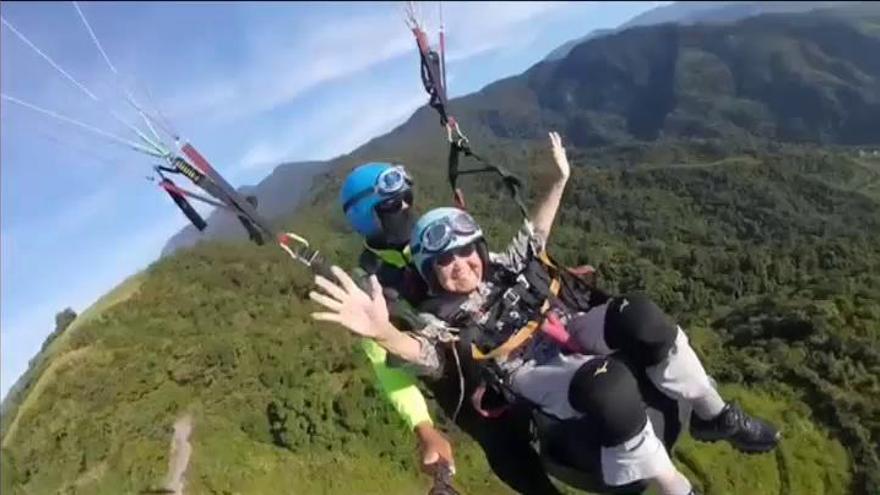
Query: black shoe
{"points": [[745, 433]]}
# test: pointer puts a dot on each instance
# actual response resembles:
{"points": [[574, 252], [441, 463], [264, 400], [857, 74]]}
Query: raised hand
{"points": [[364, 314], [559, 155]]}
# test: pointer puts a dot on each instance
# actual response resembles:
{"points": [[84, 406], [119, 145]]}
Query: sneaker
{"points": [[745, 433]]}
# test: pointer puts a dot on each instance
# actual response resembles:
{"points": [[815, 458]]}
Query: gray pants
{"points": [[680, 376], [640, 457]]}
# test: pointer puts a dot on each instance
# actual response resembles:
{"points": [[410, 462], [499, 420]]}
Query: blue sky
{"points": [[250, 84]]}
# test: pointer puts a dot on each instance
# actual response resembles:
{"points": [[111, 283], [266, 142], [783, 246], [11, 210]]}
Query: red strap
{"points": [[197, 159], [421, 40], [181, 192], [458, 198], [583, 271], [553, 328], [477, 402]]}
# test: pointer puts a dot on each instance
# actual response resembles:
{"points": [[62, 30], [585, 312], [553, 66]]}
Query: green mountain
{"points": [[697, 12], [714, 168], [805, 78]]}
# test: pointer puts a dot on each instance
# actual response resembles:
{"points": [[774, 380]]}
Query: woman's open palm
{"points": [[364, 314]]}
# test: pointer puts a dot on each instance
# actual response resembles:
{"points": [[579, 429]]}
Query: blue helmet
{"points": [[438, 231], [367, 186]]}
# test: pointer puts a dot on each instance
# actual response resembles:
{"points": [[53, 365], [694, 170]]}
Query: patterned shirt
{"points": [[525, 246]]}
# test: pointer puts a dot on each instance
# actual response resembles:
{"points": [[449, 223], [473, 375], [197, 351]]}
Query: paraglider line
{"points": [[79, 85], [128, 95], [85, 126]]}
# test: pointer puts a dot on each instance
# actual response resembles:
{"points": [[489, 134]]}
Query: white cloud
{"points": [[264, 155], [280, 69], [475, 28], [375, 120], [341, 50], [332, 130]]}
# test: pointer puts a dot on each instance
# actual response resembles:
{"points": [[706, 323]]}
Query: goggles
{"points": [[395, 203], [442, 232], [390, 182]]}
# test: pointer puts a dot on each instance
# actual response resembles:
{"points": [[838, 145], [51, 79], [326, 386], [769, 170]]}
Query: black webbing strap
{"points": [[510, 181], [433, 84], [181, 202], [204, 182], [253, 233]]}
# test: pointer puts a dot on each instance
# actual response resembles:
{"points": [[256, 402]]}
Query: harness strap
{"points": [[181, 202], [521, 336], [477, 403], [512, 183], [545, 259]]}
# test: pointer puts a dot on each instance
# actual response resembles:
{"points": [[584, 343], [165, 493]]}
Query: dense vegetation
{"points": [[767, 253]]}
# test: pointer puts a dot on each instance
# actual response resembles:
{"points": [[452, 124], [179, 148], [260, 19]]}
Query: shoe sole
{"points": [[746, 449]]}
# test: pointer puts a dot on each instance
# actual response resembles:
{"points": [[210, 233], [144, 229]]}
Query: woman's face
{"points": [[459, 271]]}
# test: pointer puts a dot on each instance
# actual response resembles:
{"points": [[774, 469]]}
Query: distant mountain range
{"points": [[698, 12], [811, 77]]}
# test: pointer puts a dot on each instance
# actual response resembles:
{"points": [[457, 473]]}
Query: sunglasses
{"points": [[395, 203], [448, 257]]}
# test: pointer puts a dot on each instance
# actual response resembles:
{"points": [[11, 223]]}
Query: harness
{"points": [[523, 305], [512, 315]]}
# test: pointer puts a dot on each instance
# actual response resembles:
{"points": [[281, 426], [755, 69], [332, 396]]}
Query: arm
{"points": [[367, 316], [406, 398], [399, 387], [398, 343], [531, 239], [544, 214]]}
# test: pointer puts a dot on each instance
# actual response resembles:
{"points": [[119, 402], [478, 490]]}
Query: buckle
{"points": [[510, 297], [299, 249]]}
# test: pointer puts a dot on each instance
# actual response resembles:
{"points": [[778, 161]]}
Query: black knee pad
{"points": [[638, 328], [605, 390]]}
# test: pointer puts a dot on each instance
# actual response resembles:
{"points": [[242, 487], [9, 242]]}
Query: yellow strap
{"points": [[545, 258], [393, 257], [521, 336]]}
